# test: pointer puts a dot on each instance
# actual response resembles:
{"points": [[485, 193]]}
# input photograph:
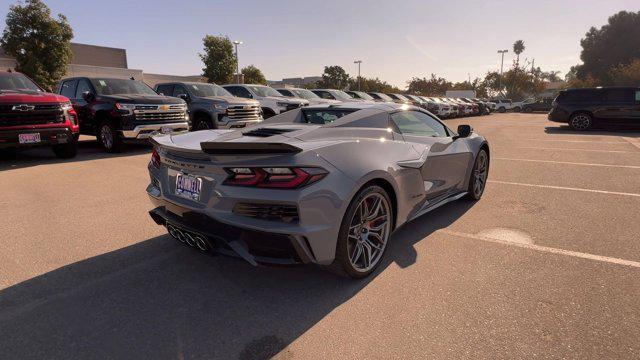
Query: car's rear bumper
{"points": [[256, 247], [558, 115], [48, 136]]}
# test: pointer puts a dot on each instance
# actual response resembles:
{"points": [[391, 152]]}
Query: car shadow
{"points": [[619, 131], [88, 149], [159, 299]]}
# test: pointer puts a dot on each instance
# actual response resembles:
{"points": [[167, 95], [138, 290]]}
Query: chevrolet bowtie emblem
{"points": [[23, 107], [164, 107]]}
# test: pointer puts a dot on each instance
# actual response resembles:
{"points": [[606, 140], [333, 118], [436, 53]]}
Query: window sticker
{"points": [[102, 82], [637, 95]]}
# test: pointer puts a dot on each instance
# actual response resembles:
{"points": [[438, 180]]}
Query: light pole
{"points": [[236, 43], [358, 62], [501, 67]]}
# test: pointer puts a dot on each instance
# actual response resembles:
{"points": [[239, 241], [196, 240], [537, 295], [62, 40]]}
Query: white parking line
{"points": [[546, 249], [564, 188], [632, 142], [572, 149], [568, 163], [578, 141]]}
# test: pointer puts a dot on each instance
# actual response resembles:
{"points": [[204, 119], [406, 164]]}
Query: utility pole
{"points": [[236, 43], [469, 75], [501, 67], [358, 62], [533, 62]]}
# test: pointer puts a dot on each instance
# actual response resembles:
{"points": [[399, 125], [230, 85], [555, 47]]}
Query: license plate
{"points": [[166, 129], [188, 186], [29, 138]]}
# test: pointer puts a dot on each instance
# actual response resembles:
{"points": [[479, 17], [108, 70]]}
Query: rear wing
{"points": [[247, 148]]}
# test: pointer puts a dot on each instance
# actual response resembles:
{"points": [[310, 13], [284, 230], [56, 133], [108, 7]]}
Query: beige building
{"points": [[92, 60]]}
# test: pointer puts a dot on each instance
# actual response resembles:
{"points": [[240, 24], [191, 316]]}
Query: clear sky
{"points": [[394, 39]]}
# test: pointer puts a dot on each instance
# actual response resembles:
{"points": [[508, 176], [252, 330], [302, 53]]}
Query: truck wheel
{"points": [[502, 109], [516, 109], [203, 122], [108, 137], [268, 113], [581, 121], [66, 151]]}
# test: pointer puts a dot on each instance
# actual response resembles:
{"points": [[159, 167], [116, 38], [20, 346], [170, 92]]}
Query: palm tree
{"points": [[518, 48]]}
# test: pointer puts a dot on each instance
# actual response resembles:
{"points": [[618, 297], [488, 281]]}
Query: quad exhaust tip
{"points": [[193, 240]]}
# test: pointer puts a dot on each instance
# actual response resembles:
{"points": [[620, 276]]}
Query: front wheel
{"points": [[66, 151], [528, 110], [502, 109], [203, 123], [581, 121], [364, 233], [108, 137], [479, 176]]}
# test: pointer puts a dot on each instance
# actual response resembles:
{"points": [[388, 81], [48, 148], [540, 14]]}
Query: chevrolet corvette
{"points": [[322, 185]]}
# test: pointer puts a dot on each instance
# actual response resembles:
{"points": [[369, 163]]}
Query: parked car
{"points": [[443, 109], [538, 105], [380, 97], [271, 101], [487, 106], [361, 95], [308, 95], [303, 187], [475, 107], [583, 109], [29, 117], [333, 94], [399, 98], [117, 110], [211, 106], [417, 101], [502, 105]]}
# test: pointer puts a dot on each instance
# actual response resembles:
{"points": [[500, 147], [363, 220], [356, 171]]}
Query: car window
{"points": [[323, 116], [239, 91], [618, 95], [68, 89], [83, 85], [324, 94], [165, 89], [638, 96], [285, 92], [581, 96], [418, 123], [179, 90]]}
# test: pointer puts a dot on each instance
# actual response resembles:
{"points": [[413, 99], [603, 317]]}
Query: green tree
{"points": [[614, 44], [40, 43], [626, 75], [253, 75], [334, 77], [218, 58], [372, 85], [433, 86], [518, 48]]}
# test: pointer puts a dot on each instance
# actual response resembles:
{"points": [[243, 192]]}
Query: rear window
{"points": [[324, 116], [581, 96]]}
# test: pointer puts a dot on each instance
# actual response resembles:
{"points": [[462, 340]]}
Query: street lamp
{"points": [[358, 62], [501, 67], [236, 43]]}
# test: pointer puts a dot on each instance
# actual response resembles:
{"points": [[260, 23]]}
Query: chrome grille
{"points": [[160, 113], [240, 112], [40, 115]]}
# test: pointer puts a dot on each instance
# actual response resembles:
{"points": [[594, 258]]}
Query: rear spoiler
{"points": [[247, 148]]}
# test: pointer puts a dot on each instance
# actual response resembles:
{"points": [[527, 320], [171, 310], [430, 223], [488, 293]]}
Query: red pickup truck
{"points": [[29, 116]]}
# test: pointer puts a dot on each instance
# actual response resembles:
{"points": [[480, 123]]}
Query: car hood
{"points": [[30, 97], [143, 99], [232, 100], [285, 99]]}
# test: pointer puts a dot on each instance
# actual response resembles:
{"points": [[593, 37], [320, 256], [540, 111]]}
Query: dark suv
{"points": [[538, 105], [213, 107], [29, 116], [115, 110], [583, 109]]}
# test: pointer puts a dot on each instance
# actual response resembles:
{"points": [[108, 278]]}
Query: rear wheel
{"points": [[528, 109], [66, 151], [479, 175], [502, 109], [581, 121], [364, 233], [108, 137]]}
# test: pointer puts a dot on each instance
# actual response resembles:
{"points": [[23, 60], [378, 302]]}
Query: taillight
{"points": [[274, 177], [155, 158]]}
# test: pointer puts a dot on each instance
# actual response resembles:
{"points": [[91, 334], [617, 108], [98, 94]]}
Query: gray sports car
{"points": [[323, 184]]}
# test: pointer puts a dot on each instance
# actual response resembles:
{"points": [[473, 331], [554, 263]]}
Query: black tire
{"points": [[66, 151], [203, 122], [502, 109], [478, 180], [528, 109], [516, 109], [342, 264], [581, 121], [267, 113], [108, 138], [8, 153]]}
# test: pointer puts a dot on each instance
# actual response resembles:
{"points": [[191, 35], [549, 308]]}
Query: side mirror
{"points": [[463, 131], [184, 97], [87, 96]]}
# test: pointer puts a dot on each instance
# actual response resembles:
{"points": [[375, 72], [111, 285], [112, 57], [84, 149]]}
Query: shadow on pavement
{"points": [[87, 150], [159, 299]]}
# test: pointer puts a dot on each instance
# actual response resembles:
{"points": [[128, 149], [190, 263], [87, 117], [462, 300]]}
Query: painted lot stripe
{"points": [[578, 141], [546, 249], [564, 188], [568, 163], [632, 142], [570, 149]]}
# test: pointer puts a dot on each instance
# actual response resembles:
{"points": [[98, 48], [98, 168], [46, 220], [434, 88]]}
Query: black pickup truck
{"points": [[117, 110]]}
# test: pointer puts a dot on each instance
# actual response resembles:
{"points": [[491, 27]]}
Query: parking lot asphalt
{"points": [[545, 265]]}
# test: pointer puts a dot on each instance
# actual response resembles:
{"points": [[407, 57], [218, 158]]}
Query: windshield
{"points": [[121, 86], [206, 90], [16, 82], [324, 116], [364, 95], [305, 94], [401, 97], [264, 91], [384, 97], [341, 95]]}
